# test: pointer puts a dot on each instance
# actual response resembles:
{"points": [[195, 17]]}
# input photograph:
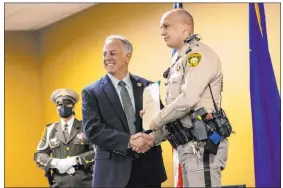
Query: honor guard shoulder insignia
{"points": [[194, 59]]}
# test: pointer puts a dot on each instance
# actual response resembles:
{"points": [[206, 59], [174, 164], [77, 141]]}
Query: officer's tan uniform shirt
{"points": [[187, 83]]}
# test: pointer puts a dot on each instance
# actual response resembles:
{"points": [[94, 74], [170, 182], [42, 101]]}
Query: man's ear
{"points": [[128, 57]]}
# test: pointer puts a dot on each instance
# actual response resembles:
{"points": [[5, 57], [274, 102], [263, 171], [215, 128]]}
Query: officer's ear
{"points": [[188, 26], [185, 26]]}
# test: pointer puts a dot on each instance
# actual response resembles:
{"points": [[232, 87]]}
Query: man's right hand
{"points": [[141, 142]]}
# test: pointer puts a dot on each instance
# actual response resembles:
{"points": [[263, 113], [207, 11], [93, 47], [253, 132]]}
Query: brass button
{"points": [[67, 148], [68, 156]]}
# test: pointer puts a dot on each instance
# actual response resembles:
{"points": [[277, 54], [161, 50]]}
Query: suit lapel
{"points": [[138, 95], [75, 129], [113, 97], [60, 132]]}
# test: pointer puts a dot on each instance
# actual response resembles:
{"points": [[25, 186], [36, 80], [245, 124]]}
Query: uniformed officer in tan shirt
{"points": [[194, 66], [63, 151]]}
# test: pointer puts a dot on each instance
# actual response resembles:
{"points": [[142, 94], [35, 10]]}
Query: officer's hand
{"points": [[141, 142], [65, 164], [154, 127], [133, 144], [149, 139], [71, 170], [142, 113]]}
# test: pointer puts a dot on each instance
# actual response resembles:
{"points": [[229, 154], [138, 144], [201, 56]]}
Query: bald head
{"points": [[185, 16], [176, 22], [180, 15]]}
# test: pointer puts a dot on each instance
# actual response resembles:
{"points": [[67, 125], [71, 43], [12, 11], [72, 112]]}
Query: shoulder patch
{"points": [[194, 59]]}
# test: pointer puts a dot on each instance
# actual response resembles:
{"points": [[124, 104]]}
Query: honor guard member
{"points": [[64, 152], [194, 84]]}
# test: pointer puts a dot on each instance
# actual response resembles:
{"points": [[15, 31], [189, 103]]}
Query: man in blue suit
{"points": [[125, 157]]}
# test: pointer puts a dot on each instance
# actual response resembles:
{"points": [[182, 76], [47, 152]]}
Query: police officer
{"points": [[195, 67], [63, 152]]}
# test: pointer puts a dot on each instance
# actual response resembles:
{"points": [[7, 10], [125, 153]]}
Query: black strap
{"points": [[49, 176], [206, 166], [214, 103]]}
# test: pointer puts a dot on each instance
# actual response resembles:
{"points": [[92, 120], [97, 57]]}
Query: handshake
{"points": [[64, 165], [141, 142]]}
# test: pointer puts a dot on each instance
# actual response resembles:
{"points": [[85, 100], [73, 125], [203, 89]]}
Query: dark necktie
{"points": [[128, 107], [66, 132]]}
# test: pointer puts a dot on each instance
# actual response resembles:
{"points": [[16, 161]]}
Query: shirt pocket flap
{"points": [[80, 142], [176, 78], [54, 143]]}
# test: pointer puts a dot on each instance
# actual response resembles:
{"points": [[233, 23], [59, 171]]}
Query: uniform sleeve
{"points": [[196, 80], [42, 155], [159, 136], [96, 131], [87, 158]]}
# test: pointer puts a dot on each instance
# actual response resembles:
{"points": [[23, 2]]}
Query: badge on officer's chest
{"points": [[80, 136], [194, 59]]}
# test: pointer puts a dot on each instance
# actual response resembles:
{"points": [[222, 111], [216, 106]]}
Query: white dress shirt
{"points": [[70, 124], [128, 86]]}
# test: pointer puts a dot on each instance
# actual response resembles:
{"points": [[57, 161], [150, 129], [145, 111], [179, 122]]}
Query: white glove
{"points": [[71, 170], [54, 163], [65, 164]]}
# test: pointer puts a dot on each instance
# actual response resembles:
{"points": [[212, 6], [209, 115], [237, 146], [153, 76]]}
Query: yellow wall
{"points": [[71, 57], [23, 112]]}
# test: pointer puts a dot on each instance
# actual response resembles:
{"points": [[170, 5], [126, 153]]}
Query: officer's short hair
{"points": [[126, 43]]}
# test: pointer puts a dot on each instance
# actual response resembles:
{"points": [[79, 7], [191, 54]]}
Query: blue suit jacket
{"points": [[105, 125]]}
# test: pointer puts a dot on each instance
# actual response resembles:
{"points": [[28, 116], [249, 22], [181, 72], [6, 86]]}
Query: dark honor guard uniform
{"points": [[64, 152]]}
